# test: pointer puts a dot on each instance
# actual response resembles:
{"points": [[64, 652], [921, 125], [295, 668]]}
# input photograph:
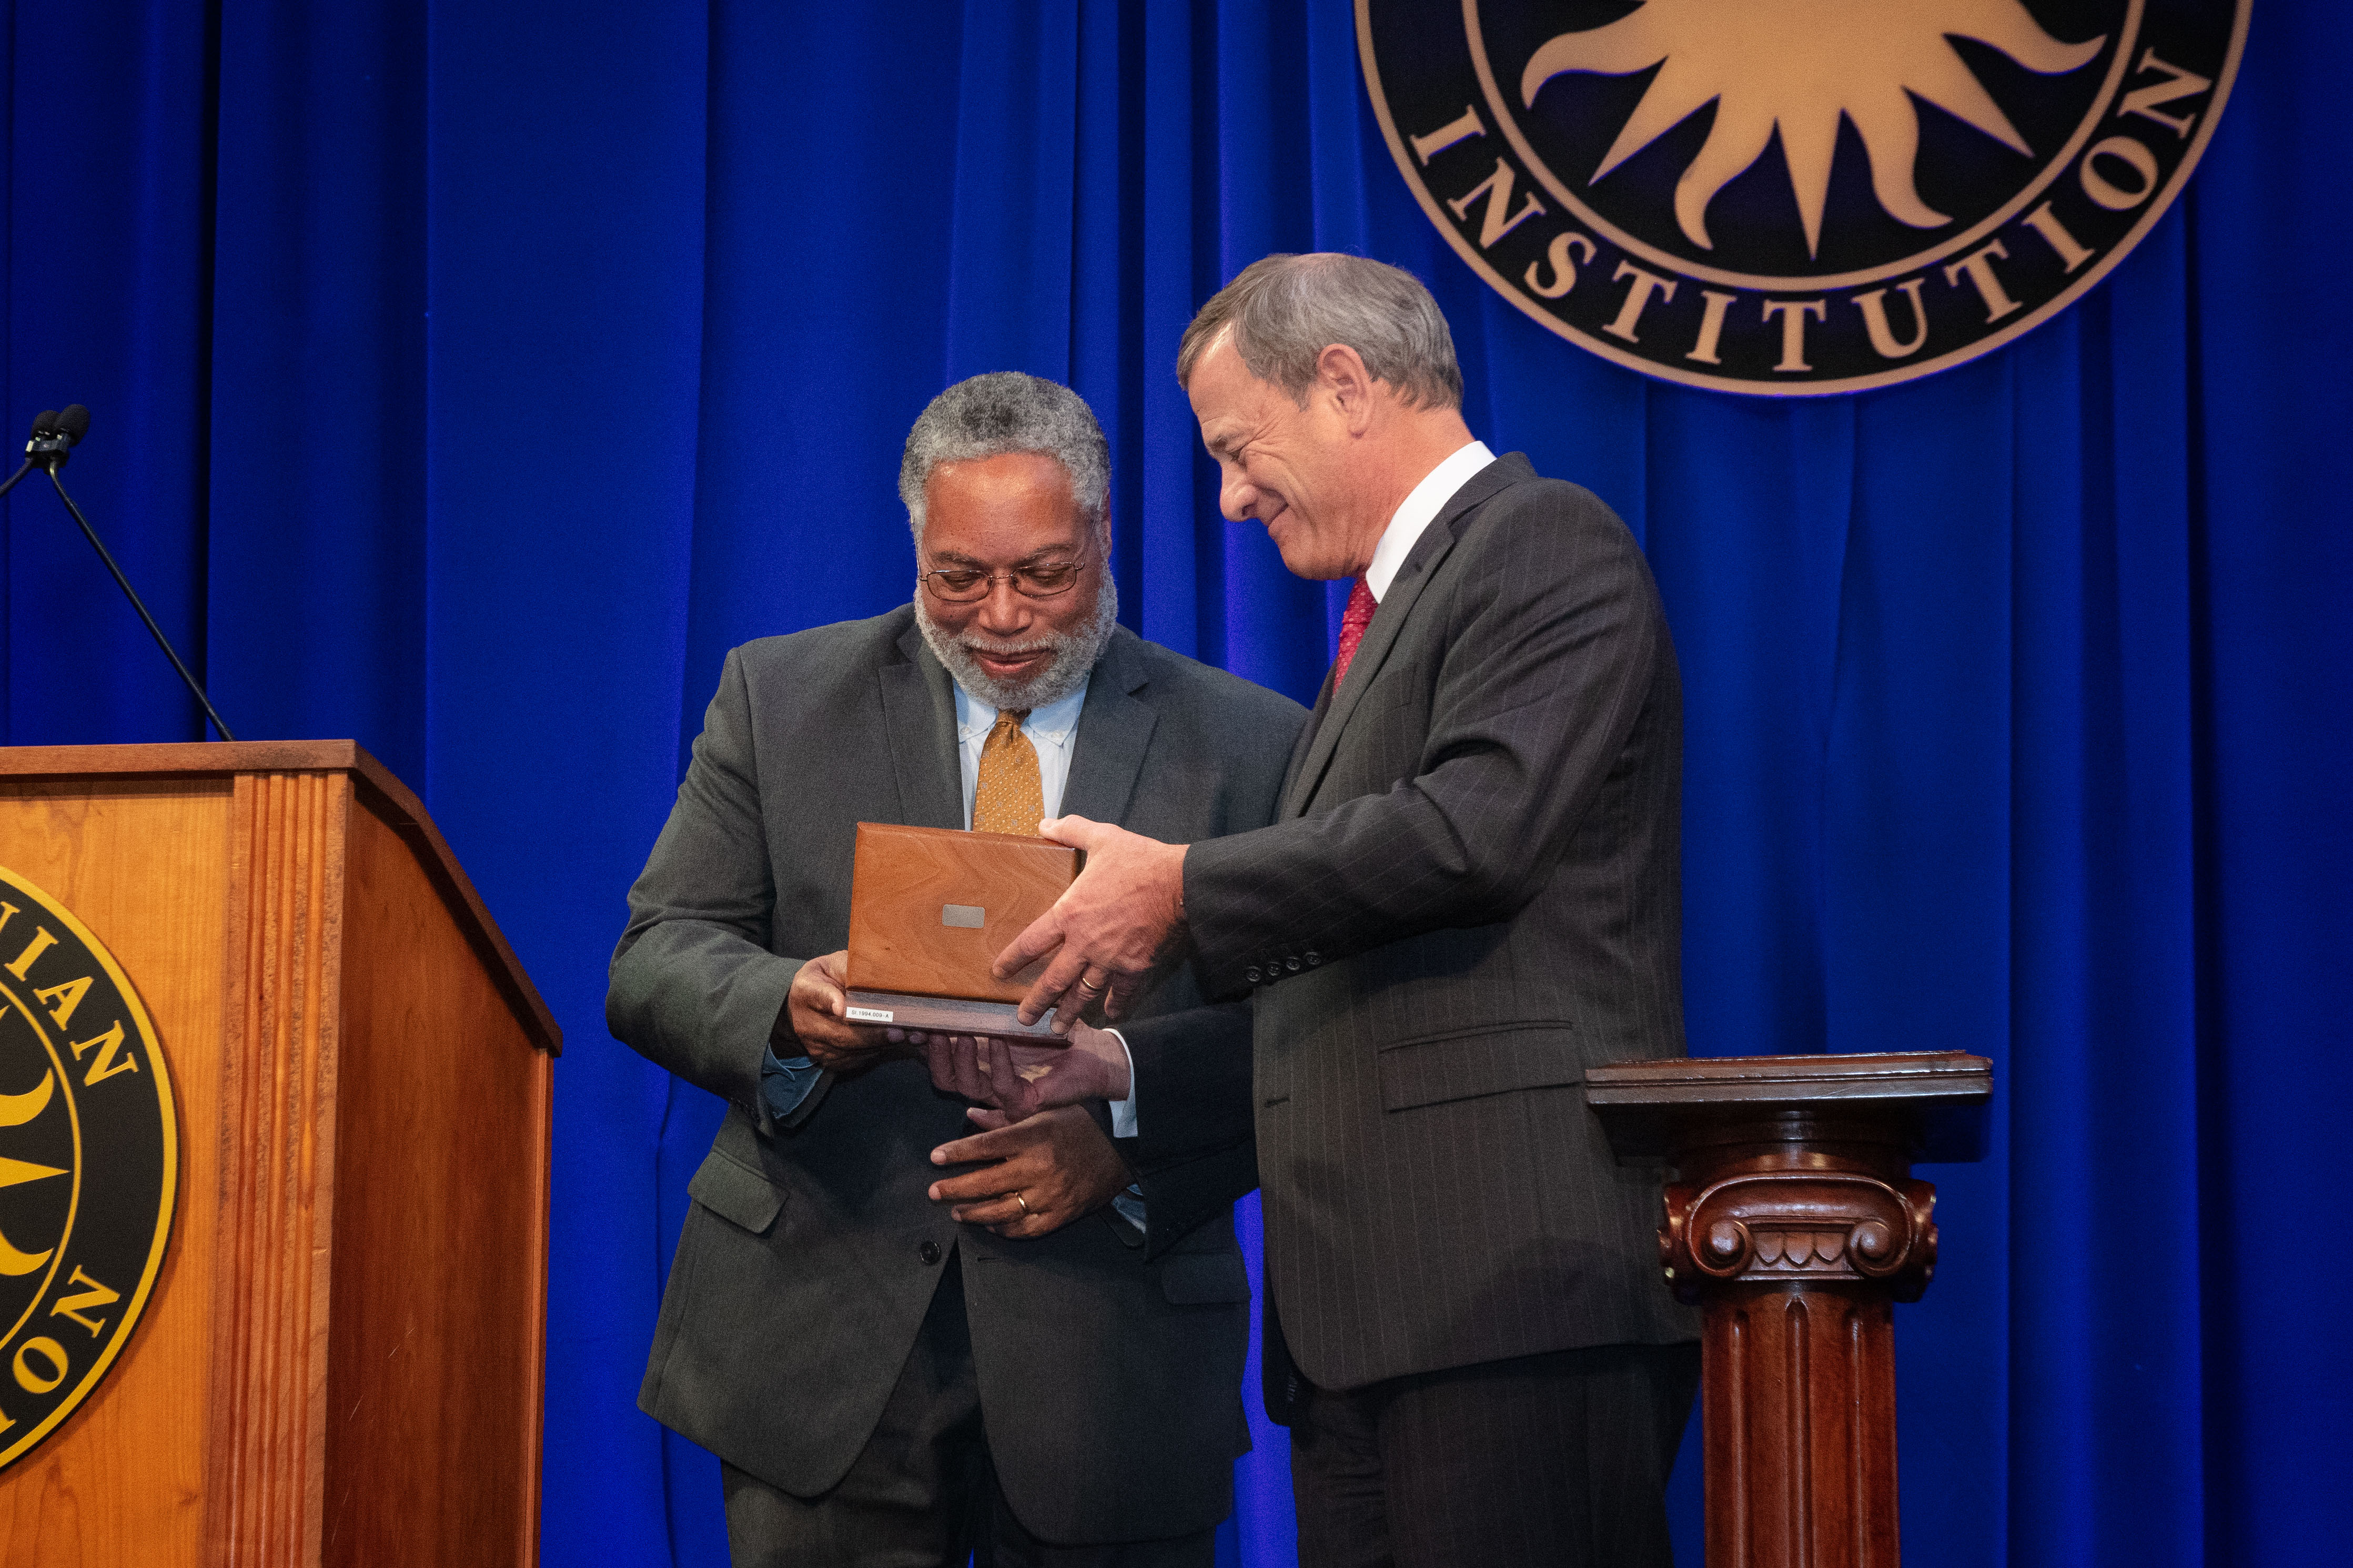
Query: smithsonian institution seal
{"points": [[89, 1163], [1796, 196]]}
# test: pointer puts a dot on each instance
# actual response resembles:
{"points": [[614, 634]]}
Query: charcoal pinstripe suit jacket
{"points": [[1469, 896]]}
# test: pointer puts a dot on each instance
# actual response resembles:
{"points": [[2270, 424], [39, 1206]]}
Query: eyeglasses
{"points": [[963, 585]]}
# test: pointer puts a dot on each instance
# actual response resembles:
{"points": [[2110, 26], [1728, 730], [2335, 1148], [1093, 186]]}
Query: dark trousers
{"points": [[1558, 1458], [924, 1492]]}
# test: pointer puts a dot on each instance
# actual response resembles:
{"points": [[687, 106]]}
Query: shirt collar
{"points": [[1051, 723], [1421, 508]]}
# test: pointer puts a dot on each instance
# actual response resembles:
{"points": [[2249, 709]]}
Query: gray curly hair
{"points": [[1005, 411], [1285, 311]]}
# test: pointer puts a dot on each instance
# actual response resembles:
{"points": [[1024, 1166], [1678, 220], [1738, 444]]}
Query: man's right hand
{"points": [[1034, 1176], [1022, 1079], [817, 1008], [1110, 929]]}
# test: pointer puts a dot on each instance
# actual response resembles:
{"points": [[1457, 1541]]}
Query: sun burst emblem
{"points": [[1795, 66], [1796, 197]]}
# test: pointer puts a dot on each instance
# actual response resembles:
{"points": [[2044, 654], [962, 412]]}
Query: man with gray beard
{"points": [[908, 1340]]}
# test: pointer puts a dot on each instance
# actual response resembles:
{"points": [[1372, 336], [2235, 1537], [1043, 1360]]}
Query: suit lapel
{"points": [[1306, 742], [919, 713], [1114, 730], [1389, 622]]}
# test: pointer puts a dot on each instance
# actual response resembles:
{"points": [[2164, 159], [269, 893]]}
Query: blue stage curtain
{"points": [[469, 378]]}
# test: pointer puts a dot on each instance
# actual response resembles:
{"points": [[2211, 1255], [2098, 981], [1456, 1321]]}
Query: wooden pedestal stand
{"points": [[1794, 1224]]}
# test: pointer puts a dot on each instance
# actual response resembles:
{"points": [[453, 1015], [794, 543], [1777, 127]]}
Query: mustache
{"points": [[1008, 649]]}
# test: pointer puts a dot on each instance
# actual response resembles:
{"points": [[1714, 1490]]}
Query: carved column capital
{"points": [[1802, 1227]]}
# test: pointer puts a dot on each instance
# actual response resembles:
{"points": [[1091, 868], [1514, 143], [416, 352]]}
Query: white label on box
{"points": [[871, 1015]]}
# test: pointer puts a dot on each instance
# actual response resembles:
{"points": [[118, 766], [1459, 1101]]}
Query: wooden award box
{"points": [[930, 909], [340, 1357]]}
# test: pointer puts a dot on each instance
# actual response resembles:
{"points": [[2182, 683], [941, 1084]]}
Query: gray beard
{"points": [[1074, 656]]}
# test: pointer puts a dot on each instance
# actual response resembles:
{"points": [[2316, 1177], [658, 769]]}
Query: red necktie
{"points": [[1353, 622]]}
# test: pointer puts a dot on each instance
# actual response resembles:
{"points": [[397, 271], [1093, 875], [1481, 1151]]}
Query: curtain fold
{"points": [[110, 187], [470, 380]]}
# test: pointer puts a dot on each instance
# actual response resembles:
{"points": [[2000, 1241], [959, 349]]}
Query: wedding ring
{"points": [[1022, 1201], [1092, 988]]}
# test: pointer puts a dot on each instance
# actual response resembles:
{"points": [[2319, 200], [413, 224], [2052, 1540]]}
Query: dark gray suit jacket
{"points": [[1109, 1371], [1473, 895]]}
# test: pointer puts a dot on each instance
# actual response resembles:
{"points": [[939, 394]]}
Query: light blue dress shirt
{"points": [[785, 1082]]}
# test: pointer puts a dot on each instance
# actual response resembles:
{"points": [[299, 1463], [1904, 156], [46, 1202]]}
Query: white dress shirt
{"points": [[1418, 511]]}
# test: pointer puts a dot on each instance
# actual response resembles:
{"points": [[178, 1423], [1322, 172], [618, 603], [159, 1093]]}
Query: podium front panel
{"points": [[341, 1359], [123, 1479]]}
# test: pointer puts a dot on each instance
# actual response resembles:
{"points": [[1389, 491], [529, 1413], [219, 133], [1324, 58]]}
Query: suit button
{"points": [[1292, 964], [928, 1252], [1314, 958], [1251, 974]]}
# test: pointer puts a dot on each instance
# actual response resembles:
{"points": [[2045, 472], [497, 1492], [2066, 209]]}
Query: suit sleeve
{"points": [[693, 986], [1551, 634], [1196, 1148]]}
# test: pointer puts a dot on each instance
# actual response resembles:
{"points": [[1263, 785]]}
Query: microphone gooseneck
{"points": [[54, 439]]}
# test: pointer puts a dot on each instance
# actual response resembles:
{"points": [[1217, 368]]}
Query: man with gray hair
{"points": [[909, 1339], [1469, 897]]}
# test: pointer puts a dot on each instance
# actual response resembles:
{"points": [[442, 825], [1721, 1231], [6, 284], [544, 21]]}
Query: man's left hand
{"points": [[1041, 1175], [1111, 926]]}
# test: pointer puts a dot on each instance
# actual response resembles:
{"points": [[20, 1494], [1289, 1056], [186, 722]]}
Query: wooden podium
{"points": [[1794, 1223], [341, 1359]]}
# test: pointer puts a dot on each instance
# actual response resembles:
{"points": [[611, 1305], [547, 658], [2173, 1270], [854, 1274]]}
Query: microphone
{"points": [[55, 435], [45, 431]]}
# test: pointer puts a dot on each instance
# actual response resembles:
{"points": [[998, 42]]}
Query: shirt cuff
{"points": [[785, 1082], [1123, 1112]]}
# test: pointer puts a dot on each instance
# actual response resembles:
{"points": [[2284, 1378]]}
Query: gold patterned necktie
{"points": [[1009, 797]]}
